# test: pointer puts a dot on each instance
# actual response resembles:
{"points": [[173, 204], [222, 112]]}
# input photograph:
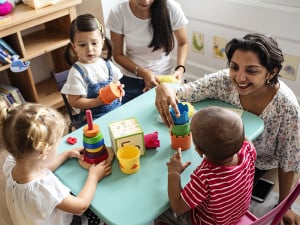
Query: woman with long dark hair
{"points": [[142, 34]]}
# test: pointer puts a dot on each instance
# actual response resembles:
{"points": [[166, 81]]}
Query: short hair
{"points": [[266, 48], [217, 132]]}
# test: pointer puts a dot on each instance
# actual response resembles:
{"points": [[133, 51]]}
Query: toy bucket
{"points": [[129, 159]]}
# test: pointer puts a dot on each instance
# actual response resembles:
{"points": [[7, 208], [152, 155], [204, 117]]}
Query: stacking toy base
{"points": [[183, 142]]}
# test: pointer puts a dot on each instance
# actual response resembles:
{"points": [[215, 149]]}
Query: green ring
{"points": [[93, 140], [181, 130]]}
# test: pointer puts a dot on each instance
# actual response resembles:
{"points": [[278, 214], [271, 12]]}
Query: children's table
{"points": [[138, 198]]}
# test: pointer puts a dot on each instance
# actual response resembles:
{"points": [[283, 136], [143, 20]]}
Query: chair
{"points": [[275, 215], [60, 79]]}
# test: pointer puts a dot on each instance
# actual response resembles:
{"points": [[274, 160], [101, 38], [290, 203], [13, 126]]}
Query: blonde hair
{"points": [[30, 127]]}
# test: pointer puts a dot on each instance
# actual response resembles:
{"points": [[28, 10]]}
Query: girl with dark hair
{"points": [[251, 83], [142, 34], [90, 71]]}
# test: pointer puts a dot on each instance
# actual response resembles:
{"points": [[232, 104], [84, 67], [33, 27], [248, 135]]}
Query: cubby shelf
{"points": [[33, 33]]}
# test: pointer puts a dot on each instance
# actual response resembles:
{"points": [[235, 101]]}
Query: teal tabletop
{"points": [[138, 198]]}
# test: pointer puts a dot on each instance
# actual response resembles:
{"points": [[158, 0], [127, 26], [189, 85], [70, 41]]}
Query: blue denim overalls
{"points": [[93, 89]]}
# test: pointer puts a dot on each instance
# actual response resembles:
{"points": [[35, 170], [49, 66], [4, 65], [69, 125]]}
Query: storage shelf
{"points": [[49, 94], [34, 33], [42, 42]]}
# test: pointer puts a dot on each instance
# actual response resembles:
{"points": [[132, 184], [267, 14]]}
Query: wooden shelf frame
{"points": [[33, 33]]}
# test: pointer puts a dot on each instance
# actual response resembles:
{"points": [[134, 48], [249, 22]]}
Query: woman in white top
{"points": [[147, 29]]}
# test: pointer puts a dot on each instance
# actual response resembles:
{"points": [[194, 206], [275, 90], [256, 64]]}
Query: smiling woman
{"points": [[251, 83]]}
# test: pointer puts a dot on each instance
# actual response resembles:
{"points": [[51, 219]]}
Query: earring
{"points": [[268, 82]]}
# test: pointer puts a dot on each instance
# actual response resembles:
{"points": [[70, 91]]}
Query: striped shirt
{"points": [[221, 194]]}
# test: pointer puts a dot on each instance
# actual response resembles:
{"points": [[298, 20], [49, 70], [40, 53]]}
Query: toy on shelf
{"points": [[6, 7], [16, 65], [94, 148], [180, 132]]}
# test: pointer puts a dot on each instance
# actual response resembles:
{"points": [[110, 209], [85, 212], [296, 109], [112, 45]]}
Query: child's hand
{"points": [[121, 88], [175, 165], [100, 170], [111, 155], [76, 153]]}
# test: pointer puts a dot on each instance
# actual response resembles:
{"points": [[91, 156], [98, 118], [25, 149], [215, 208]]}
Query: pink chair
{"points": [[276, 214]]}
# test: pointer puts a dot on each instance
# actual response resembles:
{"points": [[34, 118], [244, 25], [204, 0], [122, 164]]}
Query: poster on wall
{"points": [[198, 42], [290, 67], [219, 44]]}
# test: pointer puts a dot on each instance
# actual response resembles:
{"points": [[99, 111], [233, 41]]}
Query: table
{"points": [[138, 198]]}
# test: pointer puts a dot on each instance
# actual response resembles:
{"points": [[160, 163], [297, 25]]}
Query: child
{"points": [[91, 72], [34, 195], [219, 191]]}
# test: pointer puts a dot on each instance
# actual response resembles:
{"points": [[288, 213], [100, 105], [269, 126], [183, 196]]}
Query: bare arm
{"points": [[182, 51], [79, 204], [175, 168], [62, 157], [127, 63], [80, 102]]}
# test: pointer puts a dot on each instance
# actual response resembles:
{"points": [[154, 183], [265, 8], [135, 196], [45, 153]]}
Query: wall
{"points": [[234, 18]]}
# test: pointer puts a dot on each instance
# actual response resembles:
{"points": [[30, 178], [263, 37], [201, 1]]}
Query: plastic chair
{"points": [[275, 215], [60, 79]]}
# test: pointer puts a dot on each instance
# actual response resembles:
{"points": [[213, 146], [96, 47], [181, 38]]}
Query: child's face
{"points": [[88, 46]]}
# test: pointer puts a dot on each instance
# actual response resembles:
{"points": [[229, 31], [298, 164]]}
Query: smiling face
{"points": [[247, 74], [88, 46]]}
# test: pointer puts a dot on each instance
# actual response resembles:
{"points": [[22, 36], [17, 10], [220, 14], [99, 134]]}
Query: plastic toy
{"points": [[6, 7], [151, 140], [16, 65], [94, 148], [71, 140], [167, 79]]}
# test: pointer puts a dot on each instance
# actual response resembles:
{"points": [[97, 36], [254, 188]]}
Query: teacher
{"points": [[142, 34], [251, 83]]}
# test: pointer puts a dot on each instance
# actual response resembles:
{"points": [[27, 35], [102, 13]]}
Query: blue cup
{"points": [[184, 115]]}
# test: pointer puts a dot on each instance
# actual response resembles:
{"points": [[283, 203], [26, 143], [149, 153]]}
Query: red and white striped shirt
{"points": [[221, 195]]}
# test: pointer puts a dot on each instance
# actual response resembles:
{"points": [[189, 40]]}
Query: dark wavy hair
{"points": [[266, 48], [162, 29]]}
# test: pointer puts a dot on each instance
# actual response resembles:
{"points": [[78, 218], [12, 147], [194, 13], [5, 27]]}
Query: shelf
{"points": [[34, 33], [48, 93], [42, 42]]}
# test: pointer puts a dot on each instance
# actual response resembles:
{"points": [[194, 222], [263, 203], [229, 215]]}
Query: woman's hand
{"points": [[165, 97], [179, 76], [150, 80]]}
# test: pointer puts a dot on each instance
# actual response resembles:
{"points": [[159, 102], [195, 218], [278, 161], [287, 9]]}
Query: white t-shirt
{"points": [[138, 35], [96, 72], [34, 202]]}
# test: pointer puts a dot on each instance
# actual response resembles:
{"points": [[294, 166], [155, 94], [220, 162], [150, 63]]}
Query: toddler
{"points": [[90, 72], [220, 188], [34, 195]]}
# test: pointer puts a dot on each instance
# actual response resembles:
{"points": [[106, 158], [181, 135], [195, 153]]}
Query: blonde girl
{"points": [[34, 195]]}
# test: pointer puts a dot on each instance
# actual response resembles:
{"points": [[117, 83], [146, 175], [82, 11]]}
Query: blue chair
{"points": [[75, 119]]}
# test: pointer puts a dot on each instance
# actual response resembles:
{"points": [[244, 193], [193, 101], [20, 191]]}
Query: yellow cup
{"points": [[129, 159]]}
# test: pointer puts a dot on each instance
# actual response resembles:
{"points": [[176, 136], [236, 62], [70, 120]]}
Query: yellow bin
{"points": [[129, 159]]}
